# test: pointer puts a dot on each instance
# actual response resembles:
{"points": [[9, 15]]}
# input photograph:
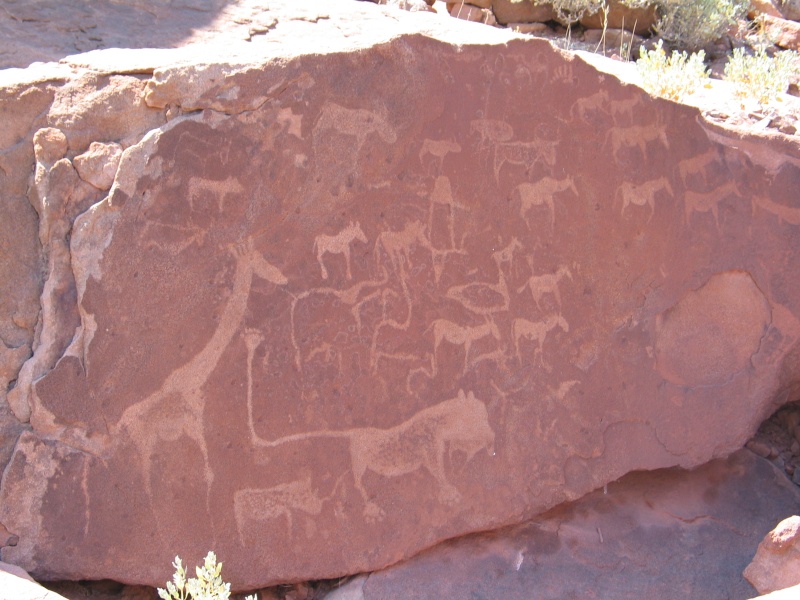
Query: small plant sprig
{"points": [[760, 76], [207, 586], [671, 77]]}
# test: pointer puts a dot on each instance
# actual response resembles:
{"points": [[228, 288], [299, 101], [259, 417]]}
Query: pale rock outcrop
{"points": [[776, 564], [326, 317]]}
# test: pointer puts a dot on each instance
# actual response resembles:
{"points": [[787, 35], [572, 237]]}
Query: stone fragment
{"points": [[776, 564], [468, 12], [98, 164], [622, 16], [524, 11], [647, 535], [790, 9], [16, 584], [759, 448], [782, 32], [764, 7]]}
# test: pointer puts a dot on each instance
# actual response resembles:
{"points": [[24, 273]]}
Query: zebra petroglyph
{"points": [[338, 244], [642, 194], [541, 193]]}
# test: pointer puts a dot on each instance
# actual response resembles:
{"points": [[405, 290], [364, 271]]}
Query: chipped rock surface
{"points": [[390, 283], [776, 564], [666, 534]]}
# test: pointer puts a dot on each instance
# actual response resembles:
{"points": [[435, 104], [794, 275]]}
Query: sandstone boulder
{"points": [[776, 564], [622, 16], [666, 534], [327, 317], [522, 11]]}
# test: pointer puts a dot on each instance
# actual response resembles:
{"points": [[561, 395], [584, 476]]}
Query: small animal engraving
{"points": [[338, 244]]}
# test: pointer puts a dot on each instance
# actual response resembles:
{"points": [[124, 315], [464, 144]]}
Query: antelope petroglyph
{"points": [[444, 330], [703, 202], [698, 165], [438, 149], [398, 245], [540, 193], [338, 244], [642, 194], [460, 424], [522, 328], [636, 135], [539, 285], [582, 107]]}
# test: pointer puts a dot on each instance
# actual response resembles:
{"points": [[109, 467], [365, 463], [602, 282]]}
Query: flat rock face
{"points": [[669, 534], [356, 303]]}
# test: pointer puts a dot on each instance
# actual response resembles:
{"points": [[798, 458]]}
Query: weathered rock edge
{"points": [[590, 322]]}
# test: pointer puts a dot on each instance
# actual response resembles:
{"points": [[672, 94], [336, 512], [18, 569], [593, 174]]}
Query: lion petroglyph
{"points": [[460, 424], [522, 328], [357, 122], [703, 202], [539, 285], [177, 407], [540, 193], [642, 194], [338, 244], [444, 330]]}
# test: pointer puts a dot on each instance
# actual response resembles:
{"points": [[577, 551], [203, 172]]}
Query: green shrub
{"points": [[673, 76], [692, 24], [207, 586], [572, 11], [760, 76]]}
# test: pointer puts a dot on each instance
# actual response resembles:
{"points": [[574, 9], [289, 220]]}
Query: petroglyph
{"points": [[338, 244], [623, 107], [697, 166], [359, 123], [491, 130], [636, 135], [539, 285], [525, 154], [266, 504], [642, 194], [442, 195], [472, 296], [784, 213], [460, 424], [294, 122], [522, 328], [177, 407], [460, 336], [541, 193], [505, 256], [582, 107], [439, 149], [218, 189], [398, 245], [703, 202]]}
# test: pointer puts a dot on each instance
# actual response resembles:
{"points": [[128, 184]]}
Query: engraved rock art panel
{"points": [[344, 311]]}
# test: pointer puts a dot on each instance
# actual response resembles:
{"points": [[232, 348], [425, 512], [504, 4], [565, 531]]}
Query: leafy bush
{"points": [[572, 11], [760, 76], [207, 586], [673, 76], [694, 23]]}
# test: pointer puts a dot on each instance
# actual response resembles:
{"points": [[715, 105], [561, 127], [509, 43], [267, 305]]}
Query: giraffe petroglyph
{"points": [[539, 285], [540, 193], [460, 336], [522, 328], [642, 194], [338, 244], [177, 407]]}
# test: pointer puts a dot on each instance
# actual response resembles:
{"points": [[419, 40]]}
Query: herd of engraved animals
{"points": [[398, 255]]}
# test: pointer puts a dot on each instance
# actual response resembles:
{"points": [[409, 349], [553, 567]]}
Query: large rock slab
{"points": [[345, 305], [667, 534]]}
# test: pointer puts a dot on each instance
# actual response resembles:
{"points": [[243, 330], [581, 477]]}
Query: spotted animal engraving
{"points": [[358, 122], [338, 244], [265, 504], [540, 193], [522, 328], [642, 194], [460, 424]]}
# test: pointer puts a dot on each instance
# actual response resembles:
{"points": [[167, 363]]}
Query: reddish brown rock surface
{"points": [[668, 534], [346, 304]]}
